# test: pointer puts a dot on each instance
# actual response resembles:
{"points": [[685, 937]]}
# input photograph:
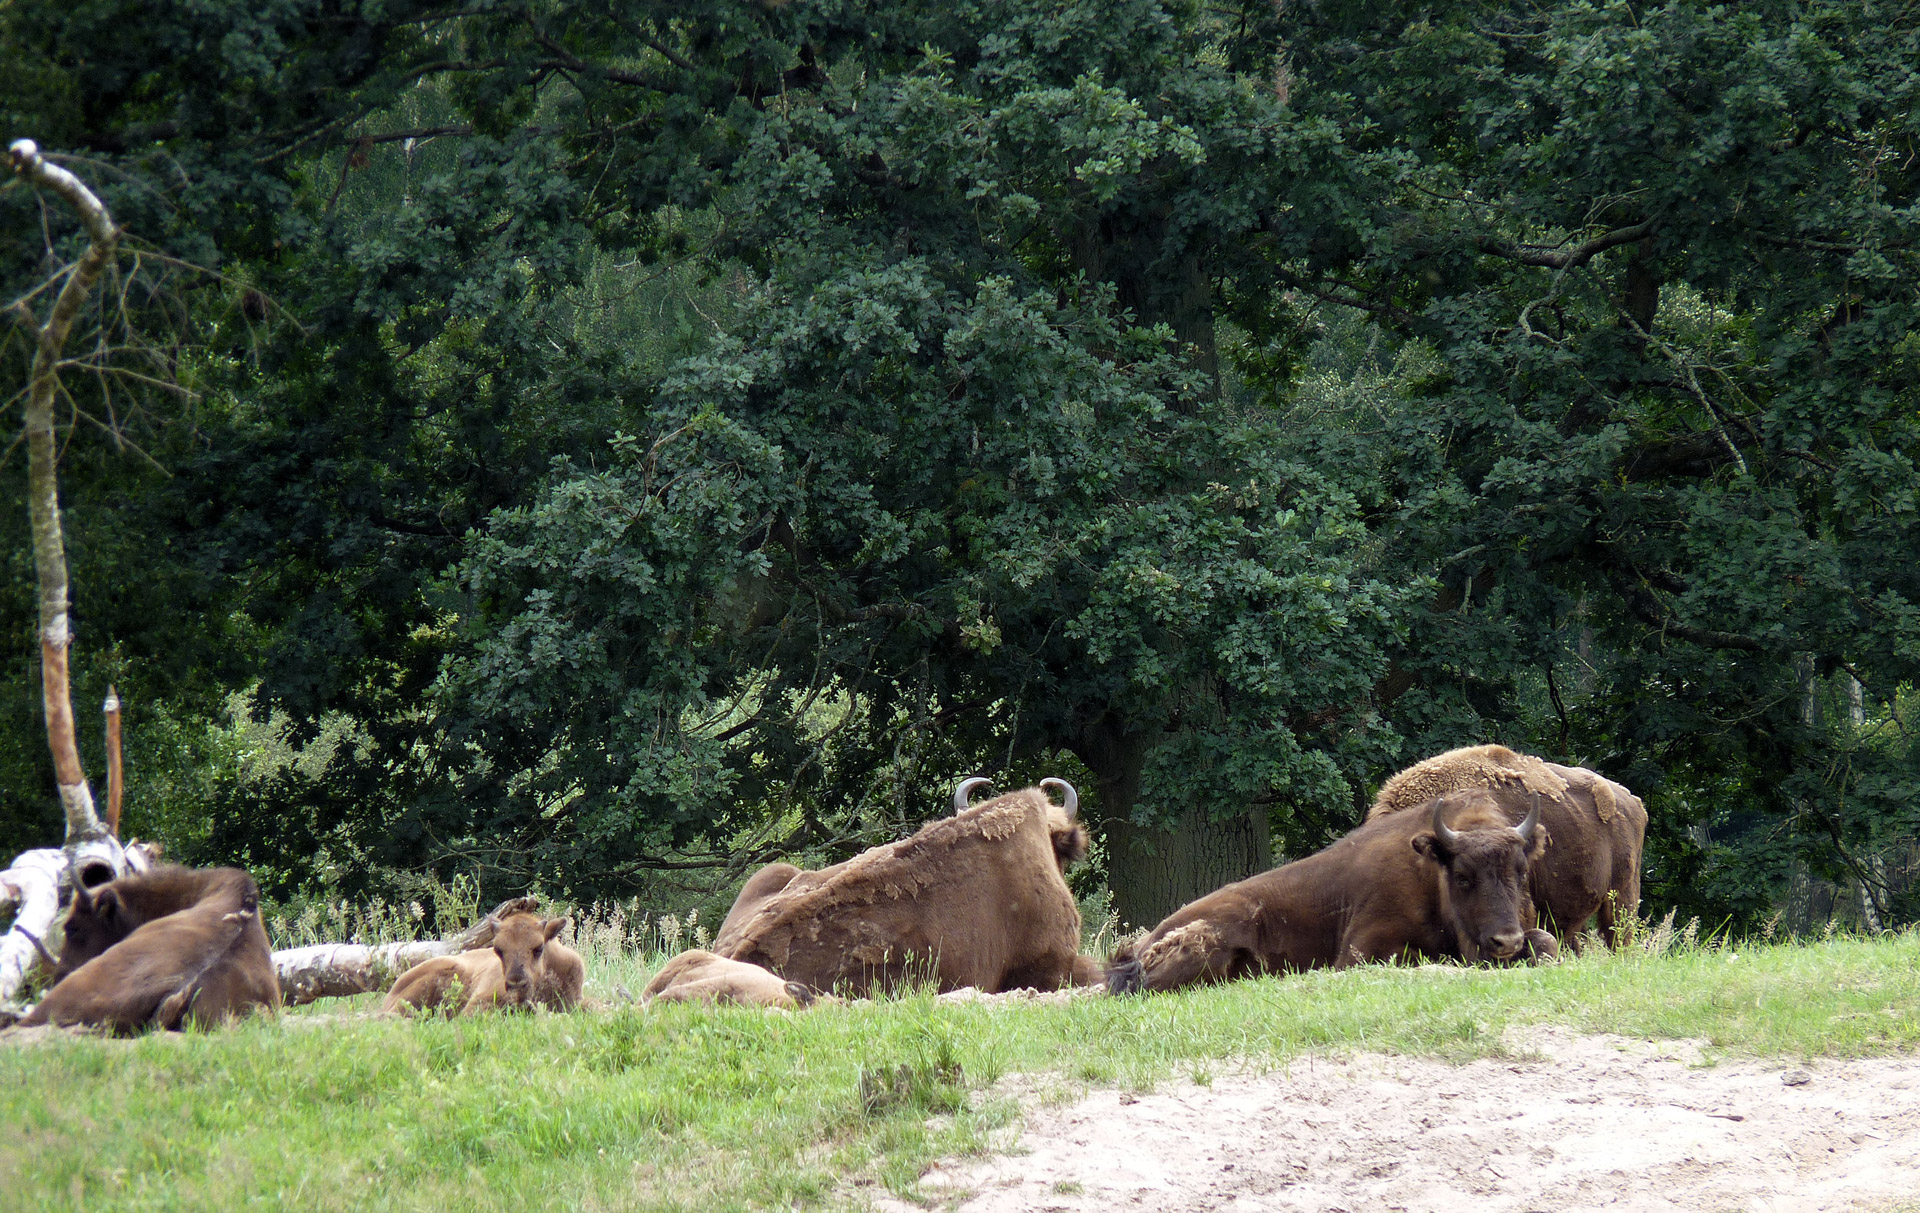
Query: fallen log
{"points": [[339, 970]]}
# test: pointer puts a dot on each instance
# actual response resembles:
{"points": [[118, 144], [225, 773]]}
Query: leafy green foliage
{"points": [[668, 438]]}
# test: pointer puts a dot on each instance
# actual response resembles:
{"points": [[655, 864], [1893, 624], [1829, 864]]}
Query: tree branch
{"points": [[1559, 257]]}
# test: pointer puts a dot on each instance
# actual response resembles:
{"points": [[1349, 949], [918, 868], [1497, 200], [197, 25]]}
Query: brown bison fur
{"points": [[1449, 883], [1598, 828], [1480, 766], [760, 886], [162, 949], [976, 899], [525, 967], [700, 976], [102, 916]]}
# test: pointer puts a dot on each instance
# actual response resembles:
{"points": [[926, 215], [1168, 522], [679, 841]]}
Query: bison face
{"points": [[96, 922], [1483, 891], [521, 944]]}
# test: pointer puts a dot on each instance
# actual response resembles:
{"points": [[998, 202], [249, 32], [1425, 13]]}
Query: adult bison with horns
{"points": [[976, 899], [1449, 881]]}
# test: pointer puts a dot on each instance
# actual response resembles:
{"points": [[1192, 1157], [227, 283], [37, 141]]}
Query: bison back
{"points": [[976, 899]]}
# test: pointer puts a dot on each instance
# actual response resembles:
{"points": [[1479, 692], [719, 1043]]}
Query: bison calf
{"points": [[161, 949], [525, 967], [700, 976], [1448, 882]]}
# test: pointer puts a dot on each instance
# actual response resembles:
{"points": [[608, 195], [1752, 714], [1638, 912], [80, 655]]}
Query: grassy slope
{"points": [[691, 1108]]}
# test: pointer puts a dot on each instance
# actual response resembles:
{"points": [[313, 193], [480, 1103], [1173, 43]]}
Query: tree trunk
{"points": [[92, 855], [43, 488], [1152, 872]]}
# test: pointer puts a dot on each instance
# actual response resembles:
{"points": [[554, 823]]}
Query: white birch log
{"points": [[339, 970], [32, 887]]}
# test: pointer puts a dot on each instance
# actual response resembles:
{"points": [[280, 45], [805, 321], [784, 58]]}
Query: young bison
{"points": [[700, 976], [525, 967], [161, 949]]}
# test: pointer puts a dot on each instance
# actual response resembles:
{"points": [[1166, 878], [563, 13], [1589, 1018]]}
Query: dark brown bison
{"points": [[976, 899], [700, 976], [525, 967], [1447, 883], [161, 949], [1595, 831]]}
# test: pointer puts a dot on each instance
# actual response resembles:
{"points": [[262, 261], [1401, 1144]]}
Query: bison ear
{"points": [[106, 904], [1070, 845], [82, 900], [1429, 846], [556, 925], [1537, 845]]}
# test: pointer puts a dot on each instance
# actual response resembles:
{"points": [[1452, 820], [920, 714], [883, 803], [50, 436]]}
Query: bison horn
{"points": [[1067, 794], [1525, 828], [1448, 839], [965, 791]]}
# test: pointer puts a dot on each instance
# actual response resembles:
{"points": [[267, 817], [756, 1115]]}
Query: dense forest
{"points": [[608, 445]]}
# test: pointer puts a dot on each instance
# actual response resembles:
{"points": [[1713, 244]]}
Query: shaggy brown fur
{"points": [[162, 949], [760, 886], [1480, 766], [1392, 888], [976, 899], [525, 967], [1591, 870], [700, 976]]}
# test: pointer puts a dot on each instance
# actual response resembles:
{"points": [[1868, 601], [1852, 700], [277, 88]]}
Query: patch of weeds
{"points": [[932, 1081]]}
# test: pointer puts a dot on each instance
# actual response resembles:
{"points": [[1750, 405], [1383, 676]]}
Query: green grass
{"points": [[694, 1108]]}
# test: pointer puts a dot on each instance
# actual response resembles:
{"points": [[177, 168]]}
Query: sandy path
{"points": [[1595, 1122]]}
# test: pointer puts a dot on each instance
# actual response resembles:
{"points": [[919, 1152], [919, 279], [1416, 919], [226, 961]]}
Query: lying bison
{"points": [[1595, 830], [162, 948], [525, 967], [700, 976], [1447, 883], [976, 899]]}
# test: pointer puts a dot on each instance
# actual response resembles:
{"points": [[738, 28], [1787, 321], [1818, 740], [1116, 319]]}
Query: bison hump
{"points": [[1480, 766]]}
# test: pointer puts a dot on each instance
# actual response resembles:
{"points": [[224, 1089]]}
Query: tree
{"points": [[92, 854]]}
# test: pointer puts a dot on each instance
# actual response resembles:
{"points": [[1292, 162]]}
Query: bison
{"points": [[162, 948], [1450, 882], [976, 899], [525, 967], [700, 976], [1595, 830]]}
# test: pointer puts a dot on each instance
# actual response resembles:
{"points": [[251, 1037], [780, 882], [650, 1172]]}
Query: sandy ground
{"points": [[1582, 1122]]}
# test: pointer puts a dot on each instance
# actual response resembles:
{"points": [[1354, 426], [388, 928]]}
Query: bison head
{"points": [[1063, 824], [1483, 865], [96, 921], [520, 942]]}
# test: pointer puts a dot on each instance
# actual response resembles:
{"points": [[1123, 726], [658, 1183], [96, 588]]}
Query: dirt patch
{"points": [[1584, 1122]]}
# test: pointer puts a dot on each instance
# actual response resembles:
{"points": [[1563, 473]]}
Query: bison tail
{"points": [[1125, 976]]}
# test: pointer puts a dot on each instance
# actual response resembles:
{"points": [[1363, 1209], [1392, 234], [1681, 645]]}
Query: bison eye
{"points": [[537, 951]]}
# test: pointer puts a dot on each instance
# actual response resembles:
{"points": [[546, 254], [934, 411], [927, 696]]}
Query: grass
{"points": [[685, 1107]]}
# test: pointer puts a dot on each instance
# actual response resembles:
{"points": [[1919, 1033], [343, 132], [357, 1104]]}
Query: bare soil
{"points": [[1566, 1122]]}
